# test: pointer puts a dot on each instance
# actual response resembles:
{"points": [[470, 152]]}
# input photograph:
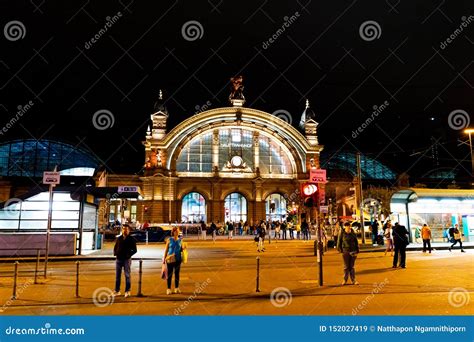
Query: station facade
{"points": [[225, 164]]}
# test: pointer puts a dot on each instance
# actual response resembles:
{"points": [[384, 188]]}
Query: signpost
{"points": [[317, 175], [51, 178]]}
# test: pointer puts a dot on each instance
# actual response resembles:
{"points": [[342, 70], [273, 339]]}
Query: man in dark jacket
{"points": [[400, 240], [125, 247]]}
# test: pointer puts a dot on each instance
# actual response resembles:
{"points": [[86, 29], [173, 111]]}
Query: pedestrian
{"points": [[283, 230], [298, 231], [125, 247], [291, 230], [417, 234], [400, 240], [213, 231], [203, 230], [457, 237], [388, 235], [230, 229], [261, 237], [335, 233], [304, 229], [375, 232], [172, 258], [277, 231], [348, 245], [426, 236]]}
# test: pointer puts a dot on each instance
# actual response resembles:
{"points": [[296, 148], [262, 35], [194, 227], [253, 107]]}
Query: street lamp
{"points": [[470, 131]]}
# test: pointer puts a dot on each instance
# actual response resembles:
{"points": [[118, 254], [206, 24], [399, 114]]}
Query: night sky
{"points": [[324, 55]]}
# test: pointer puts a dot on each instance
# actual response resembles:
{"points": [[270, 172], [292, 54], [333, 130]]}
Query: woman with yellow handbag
{"points": [[173, 258]]}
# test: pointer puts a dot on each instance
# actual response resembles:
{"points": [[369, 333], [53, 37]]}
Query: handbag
{"points": [[457, 236], [170, 258], [164, 271], [184, 255]]}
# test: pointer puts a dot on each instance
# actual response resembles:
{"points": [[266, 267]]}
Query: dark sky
{"points": [[321, 56]]}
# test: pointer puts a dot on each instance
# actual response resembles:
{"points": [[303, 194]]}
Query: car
{"points": [[155, 234]]}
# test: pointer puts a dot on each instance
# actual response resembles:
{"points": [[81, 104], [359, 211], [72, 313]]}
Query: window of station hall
{"points": [[193, 208], [196, 156], [235, 207], [275, 207]]}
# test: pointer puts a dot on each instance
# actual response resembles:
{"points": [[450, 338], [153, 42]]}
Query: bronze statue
{"points": [[237, 88]]}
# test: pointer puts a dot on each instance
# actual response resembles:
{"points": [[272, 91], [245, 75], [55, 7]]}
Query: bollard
{"points": [[258, 275], [140, 274], [15, 280], [77, 278], [37, 265]]}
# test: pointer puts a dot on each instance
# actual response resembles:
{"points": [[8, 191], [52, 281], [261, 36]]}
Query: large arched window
{"points": [[193, 208], [275, 207], [235, 150], [235, 207]]}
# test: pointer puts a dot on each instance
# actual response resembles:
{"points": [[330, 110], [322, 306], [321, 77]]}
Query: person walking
{"points": [[291, 228], [457, 237], [283, 230], [335, 233], [125, 247], [277, 230], [172, 258], [348, 245], [375, 232], [203, 230], [388, 235], [261, 237], [230, 229], [426, 236], [213, 231], [400, 240], [305, 229]]}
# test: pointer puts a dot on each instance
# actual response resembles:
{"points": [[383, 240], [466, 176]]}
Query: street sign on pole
{"points": [[51, 177], [317, 175]]}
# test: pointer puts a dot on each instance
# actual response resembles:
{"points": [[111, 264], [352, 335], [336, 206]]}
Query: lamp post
{"points": [[470, 131]]}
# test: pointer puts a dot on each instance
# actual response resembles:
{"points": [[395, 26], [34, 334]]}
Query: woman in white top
{"points": [[388, 235]]}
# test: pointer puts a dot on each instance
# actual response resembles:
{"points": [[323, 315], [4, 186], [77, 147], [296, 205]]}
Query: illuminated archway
{"points": [[276, 207], [193, 208], [235, 207]]}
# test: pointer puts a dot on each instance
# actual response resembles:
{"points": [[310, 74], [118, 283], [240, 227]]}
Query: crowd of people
{"points": [[343, 235]]}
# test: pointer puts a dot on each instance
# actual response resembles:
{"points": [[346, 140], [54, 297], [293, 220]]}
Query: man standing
{"points": [[213, 231], [203, 230], [125, 247], [426, 236], [400, 239], [283, 230]]}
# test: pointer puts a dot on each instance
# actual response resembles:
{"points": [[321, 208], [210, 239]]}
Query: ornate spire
{"points": [[307, 104], [161, 95]]}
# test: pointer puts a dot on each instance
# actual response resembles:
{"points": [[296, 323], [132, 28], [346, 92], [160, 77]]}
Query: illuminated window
{"points": [[275, 206], [235, 207], [193, 208]]}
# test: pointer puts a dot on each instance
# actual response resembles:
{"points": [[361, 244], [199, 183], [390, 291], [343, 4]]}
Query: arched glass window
{"points": [[275, 207], [193, 208], [235, 207]]}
